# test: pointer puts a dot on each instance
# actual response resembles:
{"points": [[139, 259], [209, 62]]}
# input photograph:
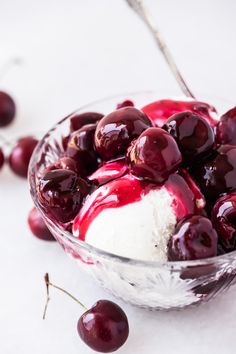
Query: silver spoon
{"points": [[139, 8]]}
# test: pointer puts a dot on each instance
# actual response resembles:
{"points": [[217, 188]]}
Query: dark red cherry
{"points": [[38, 226], [7, 109], [65, 163], [104, 327], [194, 238], [224, 221], [160, 111], [154, 155], [79, 120], [20, 155], [216, 174], [192, 133], [81, 149], [126, 103], [64, 141], [226, 128], [61, 193], [2, 158], [115, 131]]}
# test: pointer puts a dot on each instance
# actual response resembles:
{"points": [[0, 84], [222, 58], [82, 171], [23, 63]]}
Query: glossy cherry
{"points": [[194, 238], [154, 155], [126, 103], [192, 133], [160, 111], [2, 158], [224, 221], [79, 120], [65, 163], [115, 131], [216, 174], [226, 129], [64, 141], [81, 149], [7, 109], [20, 155], [38, 226], [104, 327], [61, 193]]}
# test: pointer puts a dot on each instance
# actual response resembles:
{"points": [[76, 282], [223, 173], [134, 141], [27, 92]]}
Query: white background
{"points": [[75, 51]]}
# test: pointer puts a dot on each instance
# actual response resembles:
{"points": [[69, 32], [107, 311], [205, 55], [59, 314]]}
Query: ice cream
{"points": [[135, 219], [147, 224]]}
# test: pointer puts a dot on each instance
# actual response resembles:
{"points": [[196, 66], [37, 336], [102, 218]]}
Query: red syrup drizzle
{"points": [[128, 189], [108, 172], [160, 111]]}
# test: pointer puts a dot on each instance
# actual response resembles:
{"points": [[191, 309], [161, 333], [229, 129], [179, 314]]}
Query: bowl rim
{"points": [[173, 265]]}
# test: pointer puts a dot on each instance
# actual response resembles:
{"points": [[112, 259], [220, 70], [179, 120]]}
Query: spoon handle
{"points": [[139, 8]]}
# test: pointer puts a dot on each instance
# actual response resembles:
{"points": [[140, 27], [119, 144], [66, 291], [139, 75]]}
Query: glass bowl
{"points": [[152, 285]]}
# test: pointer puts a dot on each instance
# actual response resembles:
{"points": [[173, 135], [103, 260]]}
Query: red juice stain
{"points": [[160, 111]]}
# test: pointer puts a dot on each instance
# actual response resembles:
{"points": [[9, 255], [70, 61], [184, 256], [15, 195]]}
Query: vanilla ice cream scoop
{"points": [[135, 219]]}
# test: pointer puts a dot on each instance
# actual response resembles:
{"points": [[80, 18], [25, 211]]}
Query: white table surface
{"points": [[75, 51]]}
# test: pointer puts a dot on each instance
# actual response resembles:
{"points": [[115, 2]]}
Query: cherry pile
{"points": [[164, 138]]}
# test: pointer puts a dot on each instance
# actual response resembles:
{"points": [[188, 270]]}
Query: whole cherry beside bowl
{"points": [[153, 285], [104, 327], [20, 155], [38, 226], [2, 158], [7, 109]]}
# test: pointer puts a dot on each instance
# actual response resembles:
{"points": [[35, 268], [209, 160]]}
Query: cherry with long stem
{"points": [[104, 327], [140, 9]]}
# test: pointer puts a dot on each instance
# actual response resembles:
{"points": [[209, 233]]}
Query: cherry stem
{"points": [[139, 8], [48, 284], [8, 65]]}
